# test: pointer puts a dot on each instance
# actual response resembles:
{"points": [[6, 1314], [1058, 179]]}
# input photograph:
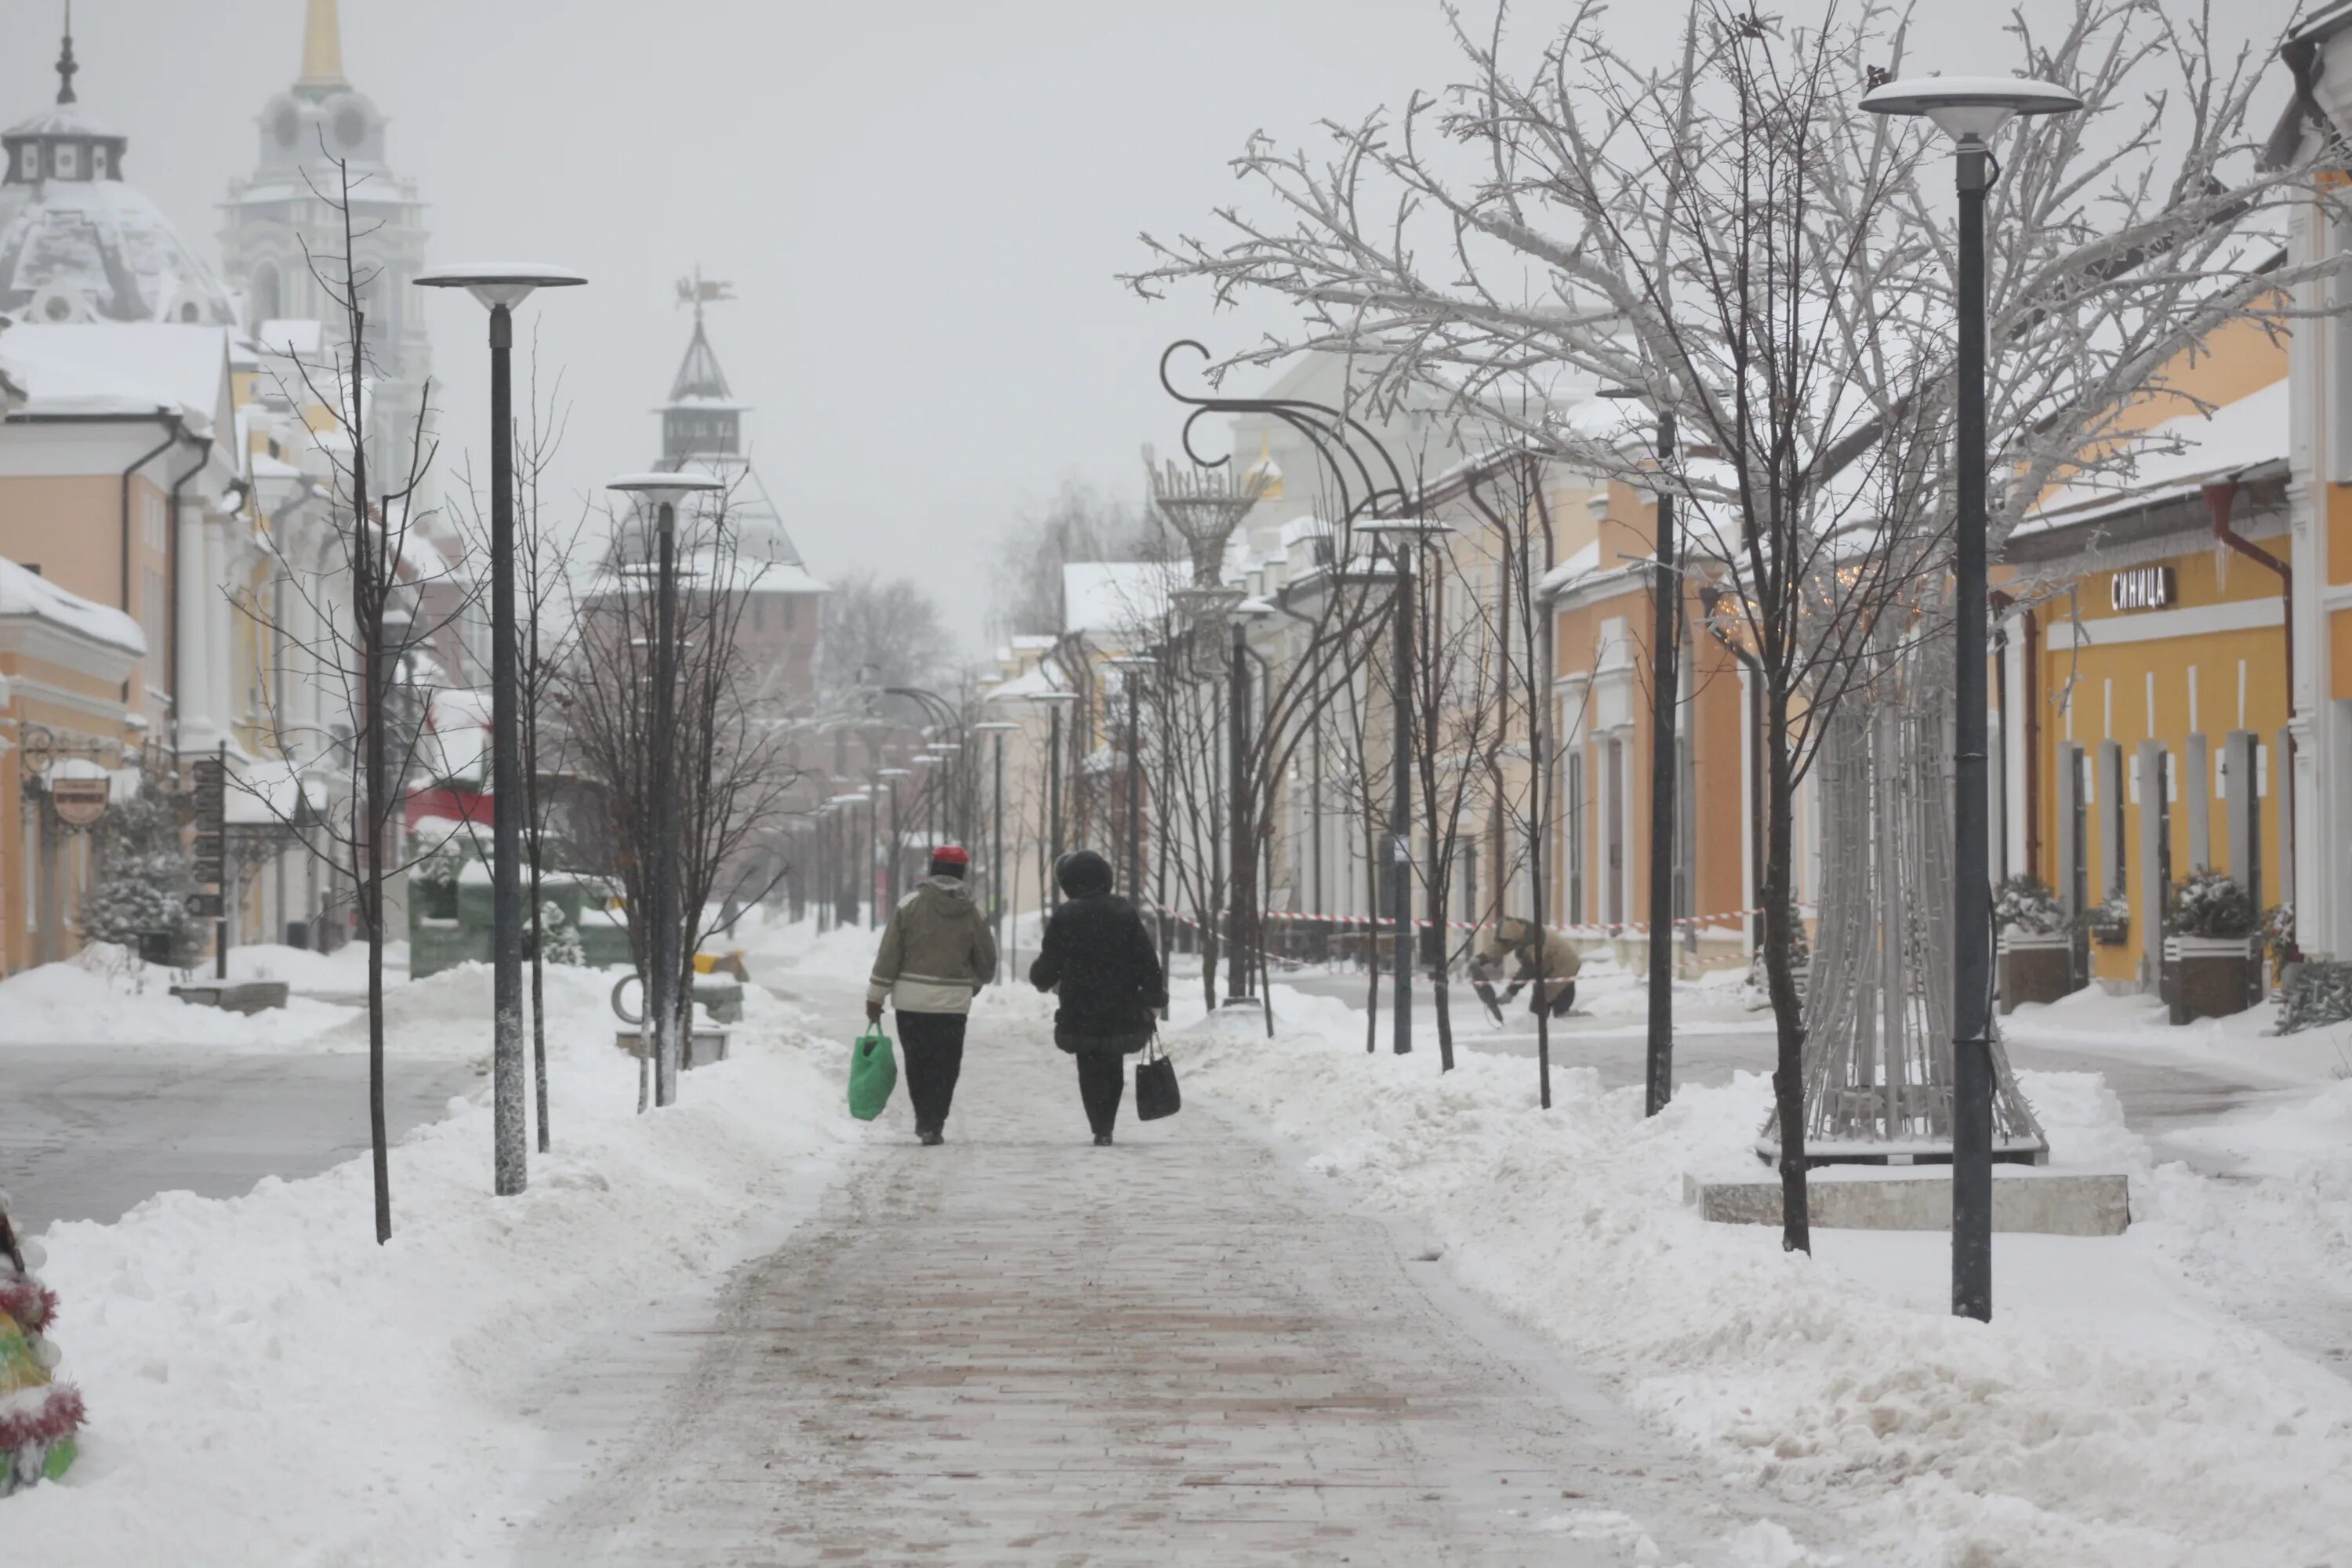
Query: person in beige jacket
{"points": [[936, 955], [1520, 950]]}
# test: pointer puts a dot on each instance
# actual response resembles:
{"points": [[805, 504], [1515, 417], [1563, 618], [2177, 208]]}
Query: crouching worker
{"points": [[936, 956], [1098, 955], [1522, 952]]}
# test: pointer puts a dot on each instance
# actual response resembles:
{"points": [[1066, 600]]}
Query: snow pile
{"points": [[343, 971], [266, 1385], [104, 996], [2106, 1418], [2246, 1043]]}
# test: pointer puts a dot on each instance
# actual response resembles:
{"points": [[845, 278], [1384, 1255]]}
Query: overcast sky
{"points": [[922, 205]]}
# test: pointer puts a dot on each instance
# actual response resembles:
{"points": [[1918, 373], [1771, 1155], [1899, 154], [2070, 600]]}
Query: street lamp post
{"points": [[997, 728], [666, 996], [1971, 110], [500, 287], [1400, 534], [1214, 615], [1055, 702], [1665, 646], [1132, 671], [898, 839]]}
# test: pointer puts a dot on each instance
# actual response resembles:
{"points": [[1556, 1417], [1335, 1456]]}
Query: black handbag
{"points": [[1155, 1086]]}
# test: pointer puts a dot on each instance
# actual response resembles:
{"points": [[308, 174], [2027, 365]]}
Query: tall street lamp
{"points": [[997, 728], [500, 287], [1400, 534], [667, 998], [1132, 671], [897, 843], [1214, 615], [1665, 646], [1055, 702], [1971, 110]]}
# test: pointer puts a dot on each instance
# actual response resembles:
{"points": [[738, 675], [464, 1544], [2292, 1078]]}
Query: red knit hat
{"points": [[951, 855]]}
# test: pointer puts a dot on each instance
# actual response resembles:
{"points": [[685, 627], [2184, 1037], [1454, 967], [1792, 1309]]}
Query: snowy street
{"points": [[89, 1135], [1020, 1348], [1673, 681]]}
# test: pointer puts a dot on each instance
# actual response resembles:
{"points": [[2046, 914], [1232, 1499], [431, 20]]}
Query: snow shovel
{"points": [[873, 1073]]}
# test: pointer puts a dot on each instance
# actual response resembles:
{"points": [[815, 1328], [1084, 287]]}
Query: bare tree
{"points": [[1078, 524], [1726, 234], [726, 767], [880, 632], [348, 633]]}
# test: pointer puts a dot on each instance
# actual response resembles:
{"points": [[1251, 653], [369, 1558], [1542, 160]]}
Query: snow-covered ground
{"points": [[2246, 1044], [266, 1385], [105, 997], [2120, 1410]]}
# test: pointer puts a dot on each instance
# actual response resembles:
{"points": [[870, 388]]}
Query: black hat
{"points": [[1082, 873]]}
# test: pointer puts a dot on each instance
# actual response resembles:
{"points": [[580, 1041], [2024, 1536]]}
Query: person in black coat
{"points": [[1099, 956]]}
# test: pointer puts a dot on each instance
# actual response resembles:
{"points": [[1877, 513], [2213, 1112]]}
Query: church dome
{"points": [[76, 243]]}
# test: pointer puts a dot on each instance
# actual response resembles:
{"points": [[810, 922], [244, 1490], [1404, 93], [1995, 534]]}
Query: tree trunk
{"points": [[538, 987], [1781, 976]]}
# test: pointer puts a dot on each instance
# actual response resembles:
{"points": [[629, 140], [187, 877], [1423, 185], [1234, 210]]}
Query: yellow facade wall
{"points": [[2133, 691]]}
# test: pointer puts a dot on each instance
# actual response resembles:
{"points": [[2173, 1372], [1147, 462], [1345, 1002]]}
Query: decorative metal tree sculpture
{"points": [[1878, 1006], [1204, 505]]}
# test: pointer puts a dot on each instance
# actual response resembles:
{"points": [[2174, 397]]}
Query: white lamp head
{"points": [[995, 726], [497, 283], [659, 489], [1969, 107], [1403, 530]]}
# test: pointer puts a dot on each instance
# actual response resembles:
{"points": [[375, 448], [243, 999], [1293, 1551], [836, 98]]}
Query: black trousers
{"points": [[932, 1045], [1102, 1083]]}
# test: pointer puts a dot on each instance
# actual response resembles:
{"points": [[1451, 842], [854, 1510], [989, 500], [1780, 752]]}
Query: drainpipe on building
{"points": [[173, 428], [2220, 497], [203, 444]]}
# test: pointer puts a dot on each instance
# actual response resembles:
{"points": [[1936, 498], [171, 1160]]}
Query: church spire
{"points": [[66, 67], [322, 47]]}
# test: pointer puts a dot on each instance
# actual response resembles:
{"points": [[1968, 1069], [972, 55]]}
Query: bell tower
{"points": [[312, 134]]}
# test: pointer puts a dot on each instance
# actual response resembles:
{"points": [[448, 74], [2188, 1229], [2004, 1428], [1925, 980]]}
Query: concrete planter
{"points": [[2035, 967], [234, 996], [2208, 976]]}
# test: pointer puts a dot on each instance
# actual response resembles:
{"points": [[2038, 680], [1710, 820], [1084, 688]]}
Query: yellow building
{"points": [[71, 749], [2142, 672]]}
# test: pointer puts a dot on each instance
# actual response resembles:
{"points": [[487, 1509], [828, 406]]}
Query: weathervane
{"points": [[699, 291]]}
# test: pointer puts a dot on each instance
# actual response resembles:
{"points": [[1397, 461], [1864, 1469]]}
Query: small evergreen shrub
{"points": [[2210, 904], [141, 879], [2027, 906]]}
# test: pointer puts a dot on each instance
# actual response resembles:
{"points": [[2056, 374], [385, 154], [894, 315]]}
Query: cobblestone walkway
{"points": [[1019, 1349]]}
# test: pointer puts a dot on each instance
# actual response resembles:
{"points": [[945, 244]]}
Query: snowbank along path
{"points": [[1019, 1348]]}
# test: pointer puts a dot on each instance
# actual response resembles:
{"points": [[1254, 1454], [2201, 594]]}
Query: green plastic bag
{"points": [[873, 1074]]}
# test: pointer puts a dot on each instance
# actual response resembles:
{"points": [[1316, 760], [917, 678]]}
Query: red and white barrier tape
{"points": [[1629, 928]]}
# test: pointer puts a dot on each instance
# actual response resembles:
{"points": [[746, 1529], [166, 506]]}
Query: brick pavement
{"points": [[1017, 1348]]}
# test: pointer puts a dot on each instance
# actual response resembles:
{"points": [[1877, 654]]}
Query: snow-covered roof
{"points": [[1580, 565], [1034, 642], [290, 336], [1038, 682], [29, 596], [270, 793], [457, 740], [1114, 595], [2185, 454], [98, 251], [131, 367]]}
